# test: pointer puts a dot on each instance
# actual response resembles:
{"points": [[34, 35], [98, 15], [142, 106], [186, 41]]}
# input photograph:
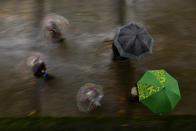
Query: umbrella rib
{"points": [[168, 99], [133, 42], [145, 47], [172, 106]]}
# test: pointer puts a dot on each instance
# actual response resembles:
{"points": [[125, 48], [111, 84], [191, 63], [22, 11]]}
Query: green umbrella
{"points": [[158, 91]]}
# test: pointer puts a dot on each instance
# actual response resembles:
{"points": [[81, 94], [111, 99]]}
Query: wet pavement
{"points": [[86, 56]]}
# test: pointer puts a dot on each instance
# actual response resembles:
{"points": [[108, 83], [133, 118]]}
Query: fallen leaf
{"points": [[122, 111], [108, 42], [32, 83], [156, 46], [185, 74], [84, 14], [80, 13], [106, 75], [111, 86], [45, 46], [121, 70], [32, 113], [73, 28], [132, 62], [188, 44], [122, 98], [106, 47], [31, 17]]}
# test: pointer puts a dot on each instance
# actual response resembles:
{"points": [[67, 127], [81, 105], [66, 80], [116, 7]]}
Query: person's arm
{"points": [[43, 66]]}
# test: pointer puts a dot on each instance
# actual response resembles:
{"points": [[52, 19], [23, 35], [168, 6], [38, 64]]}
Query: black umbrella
{"points": [[133, 41]]}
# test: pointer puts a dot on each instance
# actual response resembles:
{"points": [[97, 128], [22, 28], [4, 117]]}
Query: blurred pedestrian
{"points": [[54, 27], [39, 68], [132, 41], [89, 97], [116, 54], [134, 94], [55, 33]]}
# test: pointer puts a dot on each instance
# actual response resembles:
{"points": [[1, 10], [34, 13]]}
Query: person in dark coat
{"points": [[116, 54], [39, 68], [55, 33]]}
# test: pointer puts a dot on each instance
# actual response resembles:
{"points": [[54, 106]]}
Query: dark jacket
{"points": [[39, 69]]}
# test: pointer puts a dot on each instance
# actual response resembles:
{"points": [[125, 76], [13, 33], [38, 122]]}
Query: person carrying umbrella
{"points": [[89, 97], [54, 27], [134, 94], [158, 91], [131, 41], [55, 33], [39, 68]]}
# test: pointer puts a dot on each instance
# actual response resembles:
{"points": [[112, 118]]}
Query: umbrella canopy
{"points": [[89, 97], [133, 41], [158, 91], [54, 25], [33, 58]]}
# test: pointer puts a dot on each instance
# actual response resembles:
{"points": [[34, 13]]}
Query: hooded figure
{"points": [[55, 33], [89, 97], [54, 27], [38, 68]]}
